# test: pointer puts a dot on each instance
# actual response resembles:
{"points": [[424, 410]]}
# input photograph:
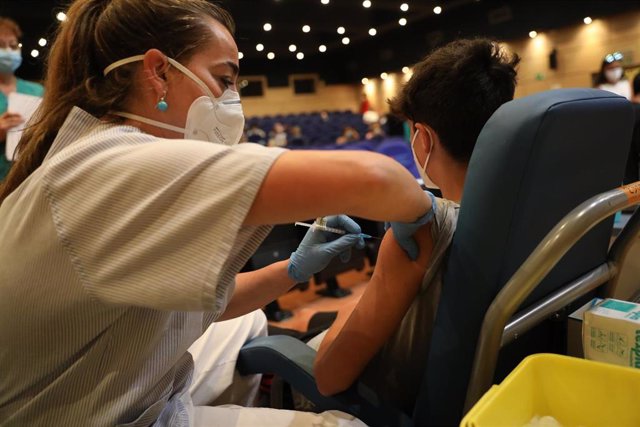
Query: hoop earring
{"points": [[162, 105]]}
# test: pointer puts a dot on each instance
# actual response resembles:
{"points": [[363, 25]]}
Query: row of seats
{"points": [[315, 128]]}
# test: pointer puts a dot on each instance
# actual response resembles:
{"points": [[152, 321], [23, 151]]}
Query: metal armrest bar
{"points": [[546, 255], [530, 317]]}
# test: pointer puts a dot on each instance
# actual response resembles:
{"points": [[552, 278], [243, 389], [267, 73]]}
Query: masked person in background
{"points": [[611, 76], [130, 211], [10, 61]]}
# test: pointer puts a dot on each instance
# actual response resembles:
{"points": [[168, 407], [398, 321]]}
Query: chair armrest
{"points": [[292, 360]]}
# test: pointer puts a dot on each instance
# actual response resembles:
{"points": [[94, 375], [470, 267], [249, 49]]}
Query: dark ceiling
{"points": [[393, 46]]}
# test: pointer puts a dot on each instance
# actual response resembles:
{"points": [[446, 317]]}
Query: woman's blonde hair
{"points": [[95, 34]]}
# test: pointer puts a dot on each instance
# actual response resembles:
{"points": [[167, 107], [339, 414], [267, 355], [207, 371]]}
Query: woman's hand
{"points": [[7, 121], [403, 232], [318, 248]]}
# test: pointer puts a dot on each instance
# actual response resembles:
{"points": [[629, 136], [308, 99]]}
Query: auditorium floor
{"points": [[305, 304]]}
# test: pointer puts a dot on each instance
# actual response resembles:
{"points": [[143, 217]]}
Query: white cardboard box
{"points": [[611, 333]]}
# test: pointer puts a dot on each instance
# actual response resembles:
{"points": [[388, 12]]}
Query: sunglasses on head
{"points": [[612, 57]]}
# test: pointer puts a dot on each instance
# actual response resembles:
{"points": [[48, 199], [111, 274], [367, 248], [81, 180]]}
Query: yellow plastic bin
{"points": [[576, 392]]}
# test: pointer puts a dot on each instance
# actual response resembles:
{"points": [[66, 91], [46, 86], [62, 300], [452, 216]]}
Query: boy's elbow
{"points": [[328, 381]]}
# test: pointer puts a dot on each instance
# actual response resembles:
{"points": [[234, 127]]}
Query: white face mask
{"points": [[613, 74], [423, 169], [209, 118]]}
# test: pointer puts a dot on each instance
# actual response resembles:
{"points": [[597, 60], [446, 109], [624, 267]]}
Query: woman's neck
{"points": [[8, 80]]}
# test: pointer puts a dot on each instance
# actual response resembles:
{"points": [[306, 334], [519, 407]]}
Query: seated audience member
{"points": [[278, 135], [375, 132], [349, 134], [632, 173], [384, 340], [611, 76], [324, 116], [296, 138], [256, 135]]}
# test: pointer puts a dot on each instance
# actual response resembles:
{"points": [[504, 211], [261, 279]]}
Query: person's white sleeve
{"points": [[159, 225]]}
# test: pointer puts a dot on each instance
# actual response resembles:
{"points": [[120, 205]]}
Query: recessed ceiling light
{"points": [[324, 1], [533, 34], [402, 21], [292, 48], [322, 48], [365, 81], [404, 7], [345, 40], [61, 16], [437, 10], [372, 31], [20, 45], [35, 53], [240, 55], [42, 42], [405, 70], [306, 29], [587, 20], [341, 30], [259, 47], [384, 76], [266, 27], [300, 55], [271, 55], [366, 3]]}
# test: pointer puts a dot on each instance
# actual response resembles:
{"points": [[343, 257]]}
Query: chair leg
{"points": [[333, 289]]}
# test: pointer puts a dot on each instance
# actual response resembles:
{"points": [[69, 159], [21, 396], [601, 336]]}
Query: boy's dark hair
{"points": [[455, 90]]}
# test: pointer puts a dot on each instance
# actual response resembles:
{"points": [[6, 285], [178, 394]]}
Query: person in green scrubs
{"points": [[10, 60]]}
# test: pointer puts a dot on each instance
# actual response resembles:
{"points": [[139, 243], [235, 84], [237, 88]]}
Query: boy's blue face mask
{"points": [[10, 60]]}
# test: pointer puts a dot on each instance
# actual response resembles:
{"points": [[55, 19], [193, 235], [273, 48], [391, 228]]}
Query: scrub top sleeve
{"points": [[159, 225]]}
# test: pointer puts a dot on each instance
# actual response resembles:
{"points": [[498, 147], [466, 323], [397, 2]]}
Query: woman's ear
{"points": [[155, 65]]}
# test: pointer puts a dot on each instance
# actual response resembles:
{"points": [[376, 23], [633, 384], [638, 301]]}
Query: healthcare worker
{"points": [[10, 61], [131, 209]]}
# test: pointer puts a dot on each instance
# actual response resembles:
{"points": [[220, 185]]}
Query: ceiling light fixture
{"points": [[366, 4], [437, 10], [35, 53], [341, 30], [266, 27], [402, 21], [322, 48], [292, 48], [306, 29], [324, 1], [533, 34], [365, 80], [345, 40], [404, 7], [406, 70], [587, 20], [384, 76], [271, 55], [300, 55], [42, 42], [61, 16], [259, 47], [373, 32], [240, 55]]}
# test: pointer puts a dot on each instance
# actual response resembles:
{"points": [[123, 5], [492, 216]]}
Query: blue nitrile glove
{"points": [[318, 248], [403, 231]]}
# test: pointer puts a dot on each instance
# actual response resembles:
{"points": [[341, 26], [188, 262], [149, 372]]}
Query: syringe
{"points": [[321, 227]]}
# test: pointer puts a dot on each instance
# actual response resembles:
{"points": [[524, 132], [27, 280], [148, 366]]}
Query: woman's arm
{"points": [[255, 289], [309, 184], [353, 340]]}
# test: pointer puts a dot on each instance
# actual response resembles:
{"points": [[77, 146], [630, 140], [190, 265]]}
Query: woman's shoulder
{"points": [[29, 88]]}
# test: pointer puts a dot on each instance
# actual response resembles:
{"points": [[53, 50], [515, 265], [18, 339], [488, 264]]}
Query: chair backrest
{"points": [[536, 159]]}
